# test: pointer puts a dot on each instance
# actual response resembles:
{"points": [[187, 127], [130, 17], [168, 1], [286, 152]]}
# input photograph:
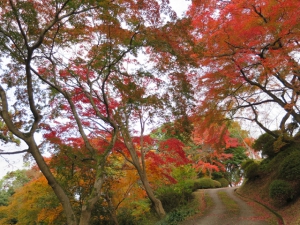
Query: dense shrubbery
{"points": [[204, 183], [217, 175], [217, 184], [281, 191], [290, 167], [186, 172], [251, 169], [175, 195], [177, 215], [125, 217], [136, 214], [265, 143], [223, 181]]}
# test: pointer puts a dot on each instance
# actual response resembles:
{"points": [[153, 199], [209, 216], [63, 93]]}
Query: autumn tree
{"points": [[219, 148], [249, 52], [72, 70], [11, 182], [39, 204]]}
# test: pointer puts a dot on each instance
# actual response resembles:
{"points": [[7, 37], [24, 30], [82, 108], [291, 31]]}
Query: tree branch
{"points": [[3, 152]]}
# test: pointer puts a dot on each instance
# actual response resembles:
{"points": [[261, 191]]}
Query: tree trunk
{"points": [[142, 174], [112, 209], [155, 201], [86, 210], [61, 195]]}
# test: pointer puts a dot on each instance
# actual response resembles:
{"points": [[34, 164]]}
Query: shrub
{"points": [[265, 143], [175, 195], [204, 183], [281, 191], [270, 165], [217, 175], [185, 172], [251, 169], [290, 167], [246, 163], [179, 214], [125, 217], [134, 214], [224, 182], [217, 184]]}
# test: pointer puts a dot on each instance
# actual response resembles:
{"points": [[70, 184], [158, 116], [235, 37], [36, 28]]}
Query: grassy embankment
{"points": [[284, 198]]}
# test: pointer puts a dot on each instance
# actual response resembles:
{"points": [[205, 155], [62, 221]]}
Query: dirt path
{"points": [[222, 214]]}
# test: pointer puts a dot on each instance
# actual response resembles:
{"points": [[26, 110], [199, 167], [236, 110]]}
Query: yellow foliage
{"points": [[33, 203]]}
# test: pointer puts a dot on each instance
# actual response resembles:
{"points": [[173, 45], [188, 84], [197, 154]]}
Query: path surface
{"points": [[219, 215]]}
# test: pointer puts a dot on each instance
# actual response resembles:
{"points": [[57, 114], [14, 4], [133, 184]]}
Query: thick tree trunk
{"points": [[155, 201], [88, 206], [63, 198]]}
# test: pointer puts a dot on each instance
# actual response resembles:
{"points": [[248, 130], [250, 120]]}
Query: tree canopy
{"points": [[124, 92]]}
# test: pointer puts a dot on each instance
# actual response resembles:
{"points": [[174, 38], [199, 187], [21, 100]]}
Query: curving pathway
{"points": [[219, 215]]}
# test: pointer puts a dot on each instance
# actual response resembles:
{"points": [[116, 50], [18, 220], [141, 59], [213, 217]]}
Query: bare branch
{"points": [[3, 152]]}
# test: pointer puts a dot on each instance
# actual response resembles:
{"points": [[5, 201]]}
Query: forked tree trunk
{"points": [[89, 204], [142, 174]]}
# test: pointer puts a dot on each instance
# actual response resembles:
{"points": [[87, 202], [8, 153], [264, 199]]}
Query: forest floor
{"points": [[224, 206]]}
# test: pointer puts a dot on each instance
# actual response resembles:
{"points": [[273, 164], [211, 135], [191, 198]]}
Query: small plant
{"points": [[175, 195], [217, 184], [223, 182], [281, 192], [125, 217], [204, 183], [217, 175], [251, 169], [290, 167], [183, 173], [265, 144], [180, 213]]}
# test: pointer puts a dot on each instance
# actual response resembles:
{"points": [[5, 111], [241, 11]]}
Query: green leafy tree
{"points": [[234, 173], [11, 182]]}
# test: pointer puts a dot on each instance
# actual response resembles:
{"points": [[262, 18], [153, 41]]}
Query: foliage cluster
{"points": [[223, 181], [178, 215], [128, 216], [176, 195], [181, 213], [279, 171], [10, 183], [265, 144], [234, 173], [251, 169], [281, 192], [290, 167], [205, 183]]}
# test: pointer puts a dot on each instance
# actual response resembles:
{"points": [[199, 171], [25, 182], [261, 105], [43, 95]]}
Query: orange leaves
{"points": [[36, 196], [248, 51], [205, 167]]}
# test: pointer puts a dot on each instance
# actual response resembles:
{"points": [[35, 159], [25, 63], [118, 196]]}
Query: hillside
{"points": [[274, 182]]}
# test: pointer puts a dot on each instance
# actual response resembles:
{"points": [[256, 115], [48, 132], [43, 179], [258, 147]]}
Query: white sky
{"points": [[180, 6]]}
